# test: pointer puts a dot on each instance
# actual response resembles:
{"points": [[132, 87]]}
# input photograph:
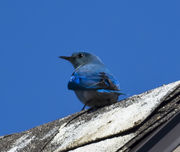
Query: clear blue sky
{"points": [[138, 40]]}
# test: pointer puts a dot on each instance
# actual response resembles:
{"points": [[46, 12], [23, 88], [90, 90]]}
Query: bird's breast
{"points": [[84, 95]]}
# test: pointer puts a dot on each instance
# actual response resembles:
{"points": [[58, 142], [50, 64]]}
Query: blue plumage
{"points": [[92, 82]]}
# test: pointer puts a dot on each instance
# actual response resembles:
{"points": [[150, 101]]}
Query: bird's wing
{"points": [[95, 81]]}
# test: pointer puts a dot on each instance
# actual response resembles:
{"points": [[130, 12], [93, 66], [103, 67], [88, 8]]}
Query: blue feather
{"points": [[109, 91], [91, 82]]}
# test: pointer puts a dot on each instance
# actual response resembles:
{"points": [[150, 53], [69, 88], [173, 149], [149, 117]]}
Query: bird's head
{"points": [[81, 58]]}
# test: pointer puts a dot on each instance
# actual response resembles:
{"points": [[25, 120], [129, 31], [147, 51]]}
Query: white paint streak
{"points": [[110, 123], [49, 133], [108, 145], [21, 143]]}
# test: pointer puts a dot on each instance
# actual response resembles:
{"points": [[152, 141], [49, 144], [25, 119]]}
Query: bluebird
{"points": [[91, 80]]}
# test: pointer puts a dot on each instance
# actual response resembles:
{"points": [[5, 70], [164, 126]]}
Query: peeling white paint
{"points": [[110, 123], [21, 143]]}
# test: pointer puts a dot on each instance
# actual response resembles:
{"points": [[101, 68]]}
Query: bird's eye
{"points": [[80, 55]]}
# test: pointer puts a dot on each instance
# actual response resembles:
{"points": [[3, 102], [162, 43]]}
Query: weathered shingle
{"points": [[129, 125]]}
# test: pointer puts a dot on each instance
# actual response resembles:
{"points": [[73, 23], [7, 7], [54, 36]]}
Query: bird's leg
{"points": [[83, 107], [86, 104]]}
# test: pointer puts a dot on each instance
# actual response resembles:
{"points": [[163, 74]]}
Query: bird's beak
{"points": [[69, 58]]}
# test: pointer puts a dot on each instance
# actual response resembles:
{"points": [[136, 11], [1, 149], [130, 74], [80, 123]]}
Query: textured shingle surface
{"points": [[118, 127]]}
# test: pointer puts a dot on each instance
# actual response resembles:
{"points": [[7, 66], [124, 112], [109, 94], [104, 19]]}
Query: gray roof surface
{"points": [[129, 125]]}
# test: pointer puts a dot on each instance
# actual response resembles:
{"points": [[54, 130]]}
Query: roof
{"points": [[148, 121]]}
